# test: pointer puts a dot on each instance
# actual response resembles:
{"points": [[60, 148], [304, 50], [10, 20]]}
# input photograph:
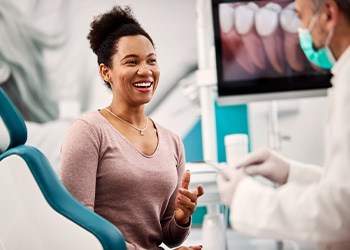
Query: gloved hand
{"points": [[227, 186], [267, 163]]}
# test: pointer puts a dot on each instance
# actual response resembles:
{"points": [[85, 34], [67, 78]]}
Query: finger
{"points": [[253, 170], [254, 158], [185, 210], [227, 172], [196, 247], [190, 195], [186, 178], [200, 191], [191, 206], [222, 183]]}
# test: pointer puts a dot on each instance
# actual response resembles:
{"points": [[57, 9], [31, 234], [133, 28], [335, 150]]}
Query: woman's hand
{"points": [[186, 201]]}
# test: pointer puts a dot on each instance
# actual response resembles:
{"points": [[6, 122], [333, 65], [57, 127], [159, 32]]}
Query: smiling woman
{"points": [[113, 158]]}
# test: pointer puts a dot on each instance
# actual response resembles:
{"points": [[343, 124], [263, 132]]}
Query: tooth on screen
{"points": [[244, 19], [266, 21], [273, 6], [290, 23], [253, 6], [267, 26], [227, 17], [289, 20], [290, 6]]}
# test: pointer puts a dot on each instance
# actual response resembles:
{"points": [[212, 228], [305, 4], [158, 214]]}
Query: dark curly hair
{"points": [[108, 28]]}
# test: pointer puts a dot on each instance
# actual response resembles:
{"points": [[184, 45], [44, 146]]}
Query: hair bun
{"points": [[105, 24]]}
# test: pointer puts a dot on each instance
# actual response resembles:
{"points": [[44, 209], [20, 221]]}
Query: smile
{"points": [[143, 84]]}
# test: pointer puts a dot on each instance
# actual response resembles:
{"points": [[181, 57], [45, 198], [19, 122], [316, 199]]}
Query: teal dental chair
{"points": [[36, 210]]}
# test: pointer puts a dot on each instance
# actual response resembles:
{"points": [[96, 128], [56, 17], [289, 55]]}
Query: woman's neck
{"points": [[133, 115]]}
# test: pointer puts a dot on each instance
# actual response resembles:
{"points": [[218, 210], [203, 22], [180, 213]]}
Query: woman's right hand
{"points": [[267, 163]]}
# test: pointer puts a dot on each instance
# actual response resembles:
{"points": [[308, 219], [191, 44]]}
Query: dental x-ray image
{"points": [[258, 50]]}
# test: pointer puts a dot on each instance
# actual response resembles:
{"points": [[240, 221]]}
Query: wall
{"points": [[303, 120], [229, 120]]}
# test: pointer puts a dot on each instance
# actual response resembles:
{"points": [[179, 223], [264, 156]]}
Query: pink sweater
{"points": [[135, 192]]}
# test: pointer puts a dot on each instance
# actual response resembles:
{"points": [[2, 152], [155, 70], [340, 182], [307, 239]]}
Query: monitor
{"points": [[258, 55]]}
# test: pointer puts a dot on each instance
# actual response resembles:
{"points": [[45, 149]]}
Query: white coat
{"points": [[314, 204]]}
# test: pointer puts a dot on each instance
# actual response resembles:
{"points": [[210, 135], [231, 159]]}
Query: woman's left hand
{"points": [[186, 201]]}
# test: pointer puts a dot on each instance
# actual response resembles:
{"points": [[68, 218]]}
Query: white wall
{"points": [[303, 120]]}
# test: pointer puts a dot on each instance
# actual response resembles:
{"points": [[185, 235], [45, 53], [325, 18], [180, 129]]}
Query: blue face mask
{"points": [[322, 57]]}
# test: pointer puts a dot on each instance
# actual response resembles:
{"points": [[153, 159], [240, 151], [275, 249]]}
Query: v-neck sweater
{"points": [[134, 191]]}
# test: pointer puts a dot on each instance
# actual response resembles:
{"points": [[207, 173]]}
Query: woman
{"points": [[119, 162]]}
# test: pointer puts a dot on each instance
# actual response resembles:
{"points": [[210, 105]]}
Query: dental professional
{"points": [[311, 203], [117, 161]]}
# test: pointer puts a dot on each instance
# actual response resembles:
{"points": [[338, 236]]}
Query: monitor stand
{"points": [[274, 141]]}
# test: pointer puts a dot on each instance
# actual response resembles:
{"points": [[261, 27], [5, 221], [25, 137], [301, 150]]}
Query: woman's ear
{"points": [[104, 72]]}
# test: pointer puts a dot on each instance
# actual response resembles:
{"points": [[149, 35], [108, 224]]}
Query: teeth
{"points": [[290, 6], [227, 17], [253, 6], [143, 84], [289, 20], [273, 6], [244, 18], [266, 19]]}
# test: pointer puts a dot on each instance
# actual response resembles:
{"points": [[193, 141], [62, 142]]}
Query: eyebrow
{"points": [[133, 56]]}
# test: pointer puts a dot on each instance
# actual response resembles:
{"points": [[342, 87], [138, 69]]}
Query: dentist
{"points": [[311, 203]]}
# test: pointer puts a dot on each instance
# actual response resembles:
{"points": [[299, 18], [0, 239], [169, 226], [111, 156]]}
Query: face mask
{"points": [[322, 57]]}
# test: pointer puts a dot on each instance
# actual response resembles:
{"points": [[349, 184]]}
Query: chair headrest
{"points": [[13, 131]]}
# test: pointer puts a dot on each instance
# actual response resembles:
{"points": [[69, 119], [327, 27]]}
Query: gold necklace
{"points": [[142, 131]]}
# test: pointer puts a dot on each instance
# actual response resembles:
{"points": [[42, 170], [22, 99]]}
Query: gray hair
{"points": [[344, 6]]}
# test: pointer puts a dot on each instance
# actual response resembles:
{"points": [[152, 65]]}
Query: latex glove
{"points": [[267, 163], [227, 187], [186, 201]]}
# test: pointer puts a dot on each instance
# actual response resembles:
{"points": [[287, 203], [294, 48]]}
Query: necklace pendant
{"points": [[128, 123]]}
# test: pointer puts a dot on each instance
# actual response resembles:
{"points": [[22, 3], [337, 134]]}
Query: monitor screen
{"points": [[258, 55]]}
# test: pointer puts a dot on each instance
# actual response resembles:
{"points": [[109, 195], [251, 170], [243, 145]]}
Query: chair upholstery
{"points": [[36, 210]]}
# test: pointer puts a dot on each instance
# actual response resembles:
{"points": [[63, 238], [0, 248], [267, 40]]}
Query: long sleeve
{"points": [[303, 173], [79, 162], [293, 211], [307, 209], [173, 233]]}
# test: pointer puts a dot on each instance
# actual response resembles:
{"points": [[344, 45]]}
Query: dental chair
{"points": [[36, 210]]}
